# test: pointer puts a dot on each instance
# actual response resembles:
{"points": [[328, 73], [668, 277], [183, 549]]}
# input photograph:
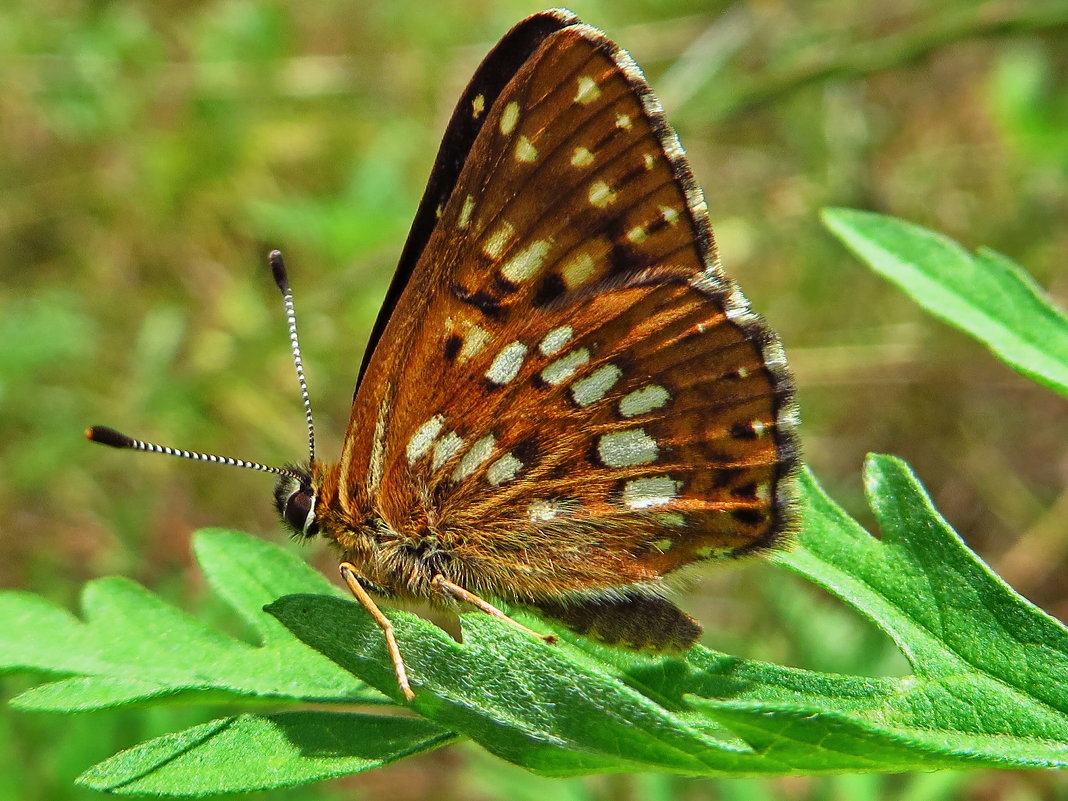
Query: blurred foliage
{"points": [[154, 152]]}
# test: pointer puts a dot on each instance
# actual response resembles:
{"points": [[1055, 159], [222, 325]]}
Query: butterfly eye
{"points": [[295, 501]]}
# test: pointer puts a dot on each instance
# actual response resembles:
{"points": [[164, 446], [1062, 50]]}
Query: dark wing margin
{"points": [[496, 70], [715, 283]]}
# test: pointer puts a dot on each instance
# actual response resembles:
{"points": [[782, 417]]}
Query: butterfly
{"points": [[564, 400]]}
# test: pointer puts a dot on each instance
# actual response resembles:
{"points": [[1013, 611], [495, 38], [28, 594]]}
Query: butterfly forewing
{"points": [[568, 394], [492, 76]]}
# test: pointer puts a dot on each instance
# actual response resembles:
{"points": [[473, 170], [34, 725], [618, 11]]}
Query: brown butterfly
{"points": [[564, 400]]}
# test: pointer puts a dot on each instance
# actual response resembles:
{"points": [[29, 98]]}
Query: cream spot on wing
{"points": [[650, 161], [478, 105], [525, 151], [527, 262], [759, 428], [542, 511], [466, 211], [578, 271], [563, 368], [497, 241], [437, 211], [582, 157], [507, 363], [641, 493], [592, 388], [445, 448], [637, 234], [423, 437], [555, 340], [763, 493], [476, 338], [743, 372], [624, 121], [601, 194], [627, 448], [644, 400], [509, 117], [588, 90], [670, 215], [503, 470], [474, 458]]}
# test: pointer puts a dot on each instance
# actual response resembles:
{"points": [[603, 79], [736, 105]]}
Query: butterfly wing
{"points": [[568, 395], [492, 76]]}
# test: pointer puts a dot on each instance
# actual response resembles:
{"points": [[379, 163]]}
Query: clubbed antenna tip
{"points": [[278, 270], [108, 436]]}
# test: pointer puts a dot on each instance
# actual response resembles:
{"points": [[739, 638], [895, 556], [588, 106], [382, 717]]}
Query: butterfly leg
{"points": [[447, 587], [348, 572]]}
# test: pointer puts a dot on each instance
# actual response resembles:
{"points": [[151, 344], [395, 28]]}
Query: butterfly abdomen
{"points": [[632, 619]]}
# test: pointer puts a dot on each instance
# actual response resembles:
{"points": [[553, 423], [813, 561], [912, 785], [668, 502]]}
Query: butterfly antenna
{"points": [[109, 436], [278, 269]]}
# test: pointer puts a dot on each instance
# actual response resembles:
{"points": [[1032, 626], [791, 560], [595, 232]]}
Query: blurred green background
{"points": [[151, 153]]}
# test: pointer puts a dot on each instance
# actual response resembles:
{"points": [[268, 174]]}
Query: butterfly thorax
{"points": [[396, 558]]}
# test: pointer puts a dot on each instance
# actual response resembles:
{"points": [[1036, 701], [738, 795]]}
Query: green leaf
{"points": [[261, 752], [988, 663], [134, 647], [533, 704], [987, 295], [987, 686]]}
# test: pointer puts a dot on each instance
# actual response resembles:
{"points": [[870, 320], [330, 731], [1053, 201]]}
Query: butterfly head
{"points": [[295, 497]]}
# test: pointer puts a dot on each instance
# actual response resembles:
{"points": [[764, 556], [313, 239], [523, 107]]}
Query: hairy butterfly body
{"points": [[564, 399]]}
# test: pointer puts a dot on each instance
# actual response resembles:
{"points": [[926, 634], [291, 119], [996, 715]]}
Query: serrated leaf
{"points": [[262, 752], [133, 647], [987, 689], [987, 295], [582, 707], [989, 665], [525, 701]]}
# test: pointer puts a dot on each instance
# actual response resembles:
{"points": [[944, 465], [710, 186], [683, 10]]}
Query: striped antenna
{"points": [[278, 269], [115, 439], [109, 436]]}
